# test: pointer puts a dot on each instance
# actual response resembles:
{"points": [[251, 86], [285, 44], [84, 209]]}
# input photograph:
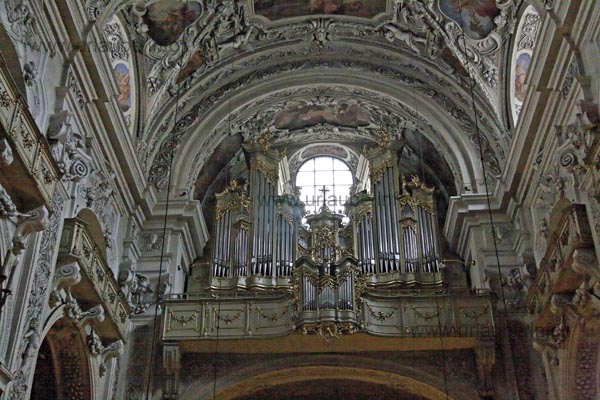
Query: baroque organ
{"points": [[260, 242]]}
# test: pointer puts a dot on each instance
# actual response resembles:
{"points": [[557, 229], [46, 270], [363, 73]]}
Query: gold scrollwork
{"points": [[329, 331], [241, 203], [414, 203], [324, 239], [378, 172], [268, 173], [264, 140], [380, 315], [362, 212]]}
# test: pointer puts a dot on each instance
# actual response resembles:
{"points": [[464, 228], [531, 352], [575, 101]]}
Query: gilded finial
{"points": [[385, 138], [404, 186]]}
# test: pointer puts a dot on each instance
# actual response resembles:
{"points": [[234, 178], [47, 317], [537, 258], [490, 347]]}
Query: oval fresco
{"points": [[123, 77], [476, 17], [279, 9], [520, 78], [524, 46], [167, 19]]}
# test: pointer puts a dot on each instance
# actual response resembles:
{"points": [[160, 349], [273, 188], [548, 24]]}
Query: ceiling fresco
{"points": [[200, 57], [303, 116], [476, 17], [331, 389], [167, 19], [279, 9]]}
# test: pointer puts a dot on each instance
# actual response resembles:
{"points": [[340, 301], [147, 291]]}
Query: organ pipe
{"points": [[256, 231]]}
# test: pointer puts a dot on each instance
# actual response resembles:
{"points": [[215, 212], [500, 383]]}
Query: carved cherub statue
{"points": [[32, 341]]}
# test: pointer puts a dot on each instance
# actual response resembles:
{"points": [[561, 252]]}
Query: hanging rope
{"points": [[507, 331], [437, 304], [218, 319], [156, 325], [216, 352]]}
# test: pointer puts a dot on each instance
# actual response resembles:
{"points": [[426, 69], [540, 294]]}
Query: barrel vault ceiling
{"points": [[210, 74]]}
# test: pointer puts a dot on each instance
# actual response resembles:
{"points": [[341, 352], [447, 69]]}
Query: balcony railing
{"points": [[32, 176], [422, 313], [98, 285]]}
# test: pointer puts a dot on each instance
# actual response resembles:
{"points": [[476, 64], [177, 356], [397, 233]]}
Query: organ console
{"points": [[260, 242]]}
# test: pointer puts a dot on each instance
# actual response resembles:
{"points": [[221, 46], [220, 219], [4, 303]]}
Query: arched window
{"points": [[328, 173]]}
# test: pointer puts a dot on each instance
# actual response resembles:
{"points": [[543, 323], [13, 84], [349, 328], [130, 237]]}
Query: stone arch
{"points": [[247, 379], [265, 380], [63, 355], [230, 89], [445, 133]]}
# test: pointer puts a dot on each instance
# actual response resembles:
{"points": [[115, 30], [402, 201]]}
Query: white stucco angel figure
{"points": [[32, 342]]}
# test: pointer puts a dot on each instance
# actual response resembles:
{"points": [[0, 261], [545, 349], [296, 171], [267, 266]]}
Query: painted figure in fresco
{"points": [[340, 114], [475, 16], [168, 18], [124, 82], [521, 67], [325, 6], [194, 63], [277, 9]]}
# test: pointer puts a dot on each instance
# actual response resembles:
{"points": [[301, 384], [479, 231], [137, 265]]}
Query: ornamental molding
{"points": [[116, 41], [95, 8], [569, 163], [23, 24], [529, 31]]}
